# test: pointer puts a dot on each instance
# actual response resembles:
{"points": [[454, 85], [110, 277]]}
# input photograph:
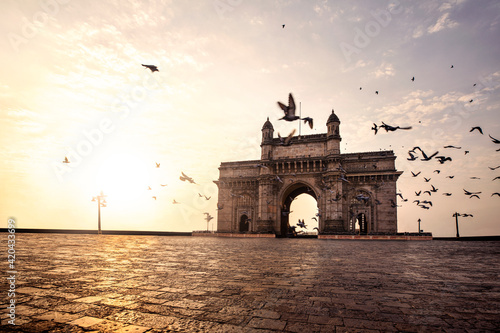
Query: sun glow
{"points": [[123, 178]]}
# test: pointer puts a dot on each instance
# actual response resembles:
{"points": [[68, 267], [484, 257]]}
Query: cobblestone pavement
{"points": [[91, 283]]}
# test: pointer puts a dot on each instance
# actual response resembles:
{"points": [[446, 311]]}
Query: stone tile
{"points": [[132, 329], [266, 323], [86, 321], [89, 299], [60, 317]]}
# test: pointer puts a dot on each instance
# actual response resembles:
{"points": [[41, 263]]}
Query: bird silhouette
{"points": [[154, 197], [418, 193], [494, 168], [447, 194], [497, 177], [65, 160], [471, 101], [427, 202], [449, 146], [375, 128], [433, 188], [376, 92], [496, 193], [308, 120], [220, 206], [415, 174], [437, 171], [474, 196], [470, 193], [289, 109], [412, 157], [153, 68], [207, 198], [283, 26], [428, 192], [451, 66], [427, 179], [175, 202], [451, 177], [286, 141], [413, 78], [427, 158], [157, 165], [494, 140], [185, 177], [163, 185], [393, 128], [480, 130], [443, 159]]}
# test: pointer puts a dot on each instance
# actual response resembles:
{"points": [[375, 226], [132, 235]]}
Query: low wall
{"points": [[375, 237], [228, 234]]}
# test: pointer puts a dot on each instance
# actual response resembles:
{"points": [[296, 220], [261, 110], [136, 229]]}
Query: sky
{"points": [[72, 85]]}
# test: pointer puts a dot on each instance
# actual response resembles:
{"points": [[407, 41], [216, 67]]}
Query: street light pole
{"points": [[456, 215], [100, 204], [419, 226]]}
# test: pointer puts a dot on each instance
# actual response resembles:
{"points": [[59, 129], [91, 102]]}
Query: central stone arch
{"points": [[288, 194], [349, 188]]}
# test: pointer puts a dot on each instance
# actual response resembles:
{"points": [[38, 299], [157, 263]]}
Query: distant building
{"points": [[355, 190]]}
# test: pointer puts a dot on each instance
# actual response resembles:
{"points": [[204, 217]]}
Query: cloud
{"points": [[384, 70], [442, 23]]}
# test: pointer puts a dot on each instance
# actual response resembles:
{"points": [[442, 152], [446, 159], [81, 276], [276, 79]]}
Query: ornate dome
{"points": [[268, 125], [333, 118]]}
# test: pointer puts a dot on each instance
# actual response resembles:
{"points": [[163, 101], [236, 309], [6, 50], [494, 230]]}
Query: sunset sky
{"points": [[72, 84]]}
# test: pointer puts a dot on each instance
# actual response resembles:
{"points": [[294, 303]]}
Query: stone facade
{"points": [[255, 196]]}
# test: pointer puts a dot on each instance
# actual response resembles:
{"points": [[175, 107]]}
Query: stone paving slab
{"points": [[112, 283]]}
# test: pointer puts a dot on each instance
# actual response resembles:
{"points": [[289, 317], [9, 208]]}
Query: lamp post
{"points": [[419, 226], [456, 215], [101, 202]]}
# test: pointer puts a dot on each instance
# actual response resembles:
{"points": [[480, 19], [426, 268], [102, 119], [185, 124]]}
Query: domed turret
{"points": [[267, 140], [267, 131], [333, 134]]}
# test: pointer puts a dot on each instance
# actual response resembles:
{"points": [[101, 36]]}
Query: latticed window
{"points": [[245, 200]]}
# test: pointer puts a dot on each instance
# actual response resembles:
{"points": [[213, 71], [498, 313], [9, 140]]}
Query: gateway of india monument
{"points": [[352, 191]]}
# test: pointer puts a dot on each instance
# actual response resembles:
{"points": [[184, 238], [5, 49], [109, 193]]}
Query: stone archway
{"points": [[244, 223], [289, 194]]}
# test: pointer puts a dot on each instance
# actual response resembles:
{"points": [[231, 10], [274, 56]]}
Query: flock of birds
{"points": [[290, 116]]}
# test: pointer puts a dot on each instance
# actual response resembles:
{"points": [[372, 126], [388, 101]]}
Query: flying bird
{"points": [[494, 167], [471, 101], [308, 120], [451, 177], [474, 196], [412, 157], [471, 193], [497, 177], [413, 78], [157, 165], [418, 193], [376, 92], [375, 128], [496, 193], [477, 128], [447, 194], [153, 68], [154, 197], [466, 152], [286, 141], [438, 171], [433, 188], [163, 185], [220, 206], [175, 202], [425, 157], [283, 26], [65, 160], [393, 128], [185, 177], [494, 140], [289, 109], [449, 146], [427, 179], [415, 174], [443, 159]]}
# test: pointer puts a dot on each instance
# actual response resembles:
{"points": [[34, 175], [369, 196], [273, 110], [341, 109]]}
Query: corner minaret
{"points": [[333, 134], [267, 140]]}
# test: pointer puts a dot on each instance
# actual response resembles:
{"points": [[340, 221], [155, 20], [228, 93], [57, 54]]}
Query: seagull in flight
{"points": [[494, 167], [471, 193], [286, 141], [153, 68], [185, 177], [427, 158], [450, 146], [477, 128], [65, 160], [415, 174], [494, 140], [443, 159], [290, 111], [393, 128], [375, 128], [157, 165]]}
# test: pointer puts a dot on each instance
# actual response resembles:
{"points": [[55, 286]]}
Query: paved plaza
{"points": [[109, 283]]}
